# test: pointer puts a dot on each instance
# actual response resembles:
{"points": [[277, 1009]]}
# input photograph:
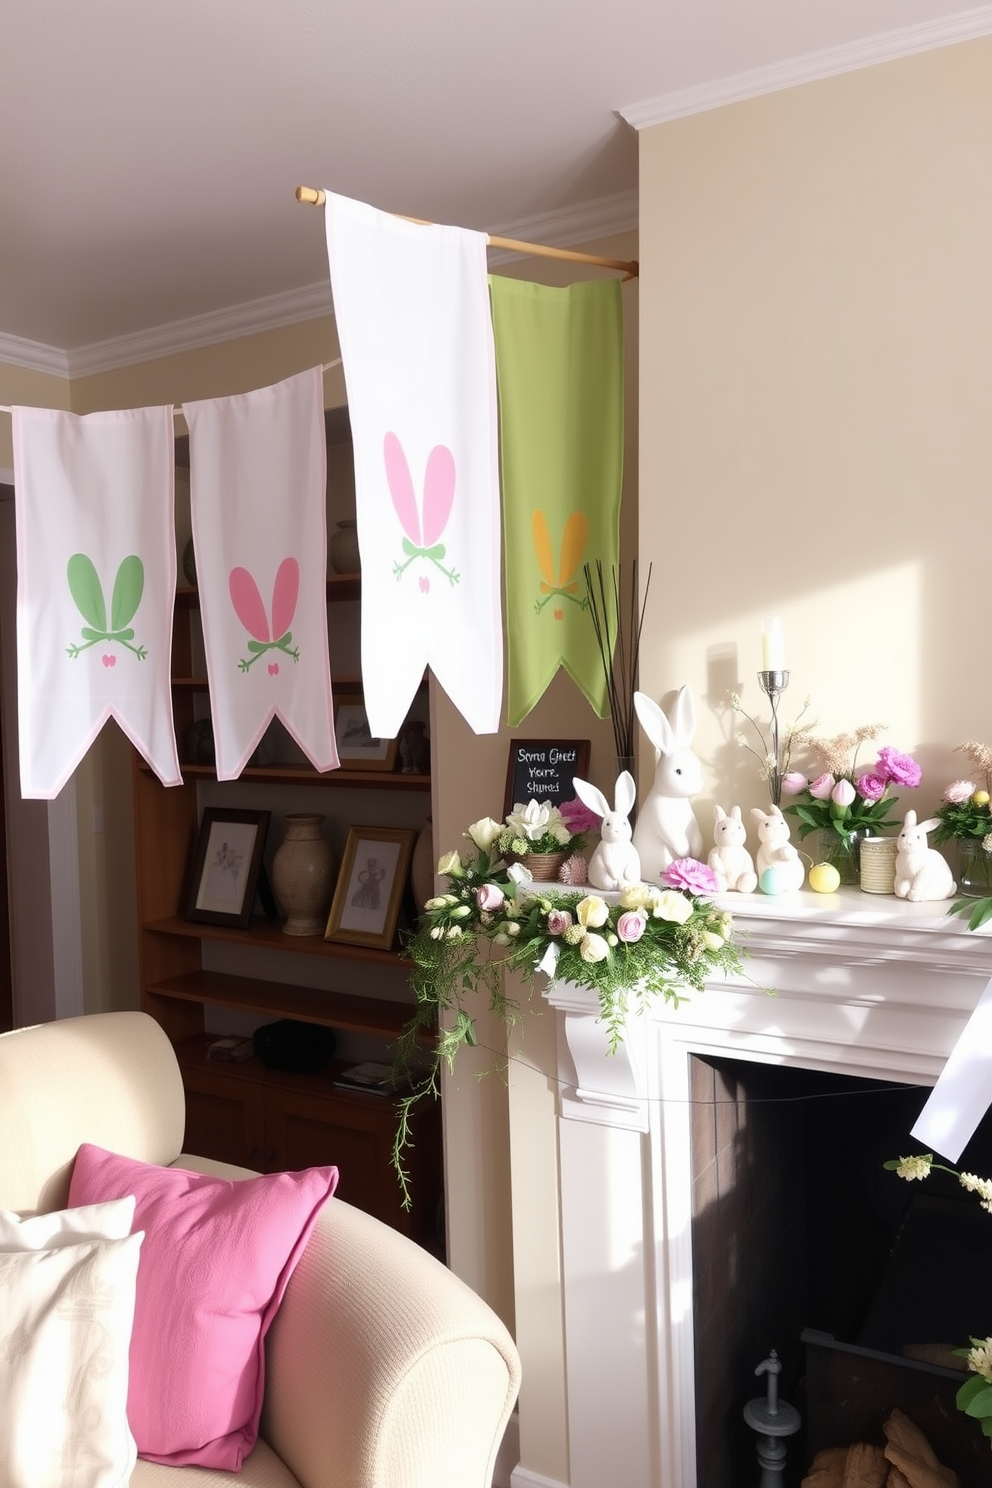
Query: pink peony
{"points": [[958, 792], [578, 818], [843, 793], [794, 782], [898, 767], [559, 920], [630, 926], [872, 787], [822, 786], [690, 874], [489, 896]]}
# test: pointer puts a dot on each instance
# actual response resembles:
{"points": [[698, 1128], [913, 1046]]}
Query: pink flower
{"points": [[822, 786], [688, 873], [958, 792], [559, 920], [898, 767], [578, 818], [489, 896], [794, 782], [843, 793], [872, 787], [630, 926]]}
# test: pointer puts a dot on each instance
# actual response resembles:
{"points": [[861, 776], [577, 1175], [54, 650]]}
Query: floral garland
{"points": [[650, 942]]}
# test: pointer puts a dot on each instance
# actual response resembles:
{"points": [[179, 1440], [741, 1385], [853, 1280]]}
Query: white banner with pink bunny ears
{"points": [[414, 325], [257, 499], [96, 583]]}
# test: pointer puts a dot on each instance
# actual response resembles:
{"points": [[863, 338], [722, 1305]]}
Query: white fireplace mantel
{"points": [[850, 983]]}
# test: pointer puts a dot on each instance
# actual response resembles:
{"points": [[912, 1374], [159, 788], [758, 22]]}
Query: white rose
{"points": [[711, 940], [672, 905], [450, 865], [593, 948], [635, 896], [592, 912], [484, 833]]}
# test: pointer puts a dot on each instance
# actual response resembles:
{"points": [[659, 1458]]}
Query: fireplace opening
{"points": [[797, 1228]]}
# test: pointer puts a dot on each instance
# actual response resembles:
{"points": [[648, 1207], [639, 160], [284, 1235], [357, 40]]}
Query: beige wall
{"points": [[816, 372]]}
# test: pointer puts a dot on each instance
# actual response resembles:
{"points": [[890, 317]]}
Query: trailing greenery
{"points": [[650, 943]]}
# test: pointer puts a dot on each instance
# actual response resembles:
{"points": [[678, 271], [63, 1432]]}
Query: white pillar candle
{"points": [[772, 645]]}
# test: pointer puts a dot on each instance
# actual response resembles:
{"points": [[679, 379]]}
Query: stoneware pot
{"points": [[343, 547], [303, 874]]}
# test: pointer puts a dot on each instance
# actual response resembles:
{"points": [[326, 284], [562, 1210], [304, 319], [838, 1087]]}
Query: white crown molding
{"points": [[927, 36], [585, 223], [35, 356], [590, 220], [248, 319]]}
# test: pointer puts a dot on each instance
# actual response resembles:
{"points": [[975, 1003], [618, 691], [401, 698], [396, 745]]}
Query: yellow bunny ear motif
{"points": [[560, 583]]}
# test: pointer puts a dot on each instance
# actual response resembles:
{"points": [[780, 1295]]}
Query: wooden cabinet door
{"points": [[224, 1118]]}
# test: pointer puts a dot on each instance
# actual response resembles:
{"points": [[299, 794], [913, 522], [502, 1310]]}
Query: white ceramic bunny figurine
{"points": [[775, 849], [730, 859], [921, 872], [666, 826], [614, 863]]}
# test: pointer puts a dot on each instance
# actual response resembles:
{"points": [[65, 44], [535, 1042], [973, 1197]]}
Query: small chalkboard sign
{"points": [[543, 770]]}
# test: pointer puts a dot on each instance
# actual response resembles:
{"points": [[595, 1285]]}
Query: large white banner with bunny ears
{"points": [[414, 325], [258, 475], [96, 583]]}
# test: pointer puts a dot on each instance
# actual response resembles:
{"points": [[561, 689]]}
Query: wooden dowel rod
{"points": [[628, 267]]}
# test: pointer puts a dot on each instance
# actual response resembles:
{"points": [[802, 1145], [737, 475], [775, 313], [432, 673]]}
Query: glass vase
{"points": [[843, 853], [974, 869]]}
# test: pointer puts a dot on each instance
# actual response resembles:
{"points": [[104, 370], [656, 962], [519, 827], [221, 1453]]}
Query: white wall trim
{"points": [[522, 1478], [34, 355], [67, 925], [585, 223], [927, 36]]}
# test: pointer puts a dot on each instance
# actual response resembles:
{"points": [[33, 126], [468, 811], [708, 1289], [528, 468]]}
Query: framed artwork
{"points": [[358, 748], [226, 867], [370, 886], [543, 770]]}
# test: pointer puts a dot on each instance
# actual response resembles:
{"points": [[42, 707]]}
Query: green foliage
{"points": [[977, 910], [814, 815], [669, 941]]}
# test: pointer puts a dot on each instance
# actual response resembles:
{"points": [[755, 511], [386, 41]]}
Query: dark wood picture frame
{"points": [[226, 867], [357, 749], [521, 771], [370, 887]]}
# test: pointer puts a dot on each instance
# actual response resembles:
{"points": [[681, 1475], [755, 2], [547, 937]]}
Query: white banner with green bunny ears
{"points": [[96, 583], [559, 364], [257, 480]]}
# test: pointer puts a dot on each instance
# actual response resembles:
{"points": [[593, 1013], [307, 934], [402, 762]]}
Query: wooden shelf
{"points": [[306, 775], [267, 935], [347, 1011]]}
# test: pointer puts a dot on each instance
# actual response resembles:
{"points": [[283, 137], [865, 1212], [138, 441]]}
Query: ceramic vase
{"points": [[303, 873], [343, 547]]}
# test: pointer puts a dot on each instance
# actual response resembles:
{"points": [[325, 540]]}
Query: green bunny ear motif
{"points": [[128, 587], [87, 591]]}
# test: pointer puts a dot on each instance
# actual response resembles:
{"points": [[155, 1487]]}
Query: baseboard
{"points": [[522, 1477]]}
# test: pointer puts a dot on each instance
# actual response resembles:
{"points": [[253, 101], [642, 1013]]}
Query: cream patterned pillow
{"points": [[65, 1329], [111, 1221]]}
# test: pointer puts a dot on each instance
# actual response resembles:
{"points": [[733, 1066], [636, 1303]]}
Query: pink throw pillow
{"points": [[214, 1266]]}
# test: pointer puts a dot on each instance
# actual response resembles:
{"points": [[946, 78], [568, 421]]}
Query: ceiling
{"points": [[149, 151]]}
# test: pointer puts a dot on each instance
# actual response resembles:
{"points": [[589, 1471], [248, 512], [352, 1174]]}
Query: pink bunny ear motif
{"points": [[285, 593], [400, 485], [439, 492], [439, 496], [250, 610]]}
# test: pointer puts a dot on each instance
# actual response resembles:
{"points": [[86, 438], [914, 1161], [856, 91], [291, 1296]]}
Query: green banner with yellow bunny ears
{"points": [[559, 366]]}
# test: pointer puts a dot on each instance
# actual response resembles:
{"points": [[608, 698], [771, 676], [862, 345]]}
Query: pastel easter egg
{"points": [[824, 878], [772, 881]]}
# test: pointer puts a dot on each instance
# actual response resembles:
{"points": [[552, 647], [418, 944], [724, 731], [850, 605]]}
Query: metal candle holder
{"points": [[773, 684], [771, 1419]]}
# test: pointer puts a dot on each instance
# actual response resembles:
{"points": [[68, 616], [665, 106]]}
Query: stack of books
{"points": [[374, 1079]]}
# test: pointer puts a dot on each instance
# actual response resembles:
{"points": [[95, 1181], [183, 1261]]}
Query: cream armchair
{"points": [[383, 1370]]}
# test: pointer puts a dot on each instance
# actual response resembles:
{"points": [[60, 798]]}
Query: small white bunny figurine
{"points": [[666, 826], [776, 850], [730, 859], [615, 862], [921, 872]]}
